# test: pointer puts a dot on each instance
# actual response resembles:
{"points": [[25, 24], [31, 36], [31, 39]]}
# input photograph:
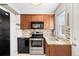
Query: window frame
{"points": [[58, 28]]}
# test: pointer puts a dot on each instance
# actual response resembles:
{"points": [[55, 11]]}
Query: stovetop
{"points": [[37, 36]]}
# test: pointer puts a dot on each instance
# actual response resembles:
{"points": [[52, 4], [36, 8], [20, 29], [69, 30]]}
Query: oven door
{"points": [[36, 43], [36, 46]]}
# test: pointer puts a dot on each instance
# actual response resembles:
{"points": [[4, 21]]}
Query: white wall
{"points": [[75, 31], [19, 31], [13, 40], [73, 10]]}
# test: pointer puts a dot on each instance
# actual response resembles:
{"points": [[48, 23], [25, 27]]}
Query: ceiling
{"points": [[29, 8]]}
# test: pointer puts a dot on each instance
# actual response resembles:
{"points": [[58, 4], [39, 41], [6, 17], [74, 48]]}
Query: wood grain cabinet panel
{"points": [[46, 21], [57, 50], [52, 21], [23, 22], [37, 18], [26, 20], [52, 50], [47, 49], [62, 50]]}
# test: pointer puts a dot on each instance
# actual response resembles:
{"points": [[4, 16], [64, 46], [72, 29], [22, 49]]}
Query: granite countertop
{"points": [[51, 40]]}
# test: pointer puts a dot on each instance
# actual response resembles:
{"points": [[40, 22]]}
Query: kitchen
{"points": [[42, 29]]}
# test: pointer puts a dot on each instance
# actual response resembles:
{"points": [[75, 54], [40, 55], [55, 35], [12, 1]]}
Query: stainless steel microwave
{"points": [[37, 25]]}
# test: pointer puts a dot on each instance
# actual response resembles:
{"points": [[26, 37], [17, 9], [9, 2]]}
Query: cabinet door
{"points": [[46, 21], [52, 21], [28, 21], [68, 50], [25, 21], [62, 50], [47, 49], [59, 50], [37, 17], [52, 50]]}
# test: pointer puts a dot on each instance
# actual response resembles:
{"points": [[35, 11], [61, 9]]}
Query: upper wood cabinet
{"points": [[36, 17], [48, 20], [25, 21]]}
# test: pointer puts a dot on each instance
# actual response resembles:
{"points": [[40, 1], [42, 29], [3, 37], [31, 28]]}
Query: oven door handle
{"points": [[36, 39]]}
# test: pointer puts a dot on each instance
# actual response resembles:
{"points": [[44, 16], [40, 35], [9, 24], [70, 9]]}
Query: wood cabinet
{"points": [[47, 49], [57, 50], [36, 17], [25, 21], [48, 20]]}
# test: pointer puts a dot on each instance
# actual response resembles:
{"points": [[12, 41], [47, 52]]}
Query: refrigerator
{"points": [[4, 33]]}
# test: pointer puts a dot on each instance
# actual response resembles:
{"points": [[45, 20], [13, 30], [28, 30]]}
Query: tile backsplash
{"points": [[28, 32]]}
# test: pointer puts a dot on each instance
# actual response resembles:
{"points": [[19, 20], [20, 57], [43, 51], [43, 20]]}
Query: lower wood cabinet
{"points": [[57, 50], [47, 49]]}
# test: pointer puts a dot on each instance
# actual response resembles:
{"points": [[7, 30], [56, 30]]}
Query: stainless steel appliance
{"points": [[36, 46], [37, 25], [36, 43]]}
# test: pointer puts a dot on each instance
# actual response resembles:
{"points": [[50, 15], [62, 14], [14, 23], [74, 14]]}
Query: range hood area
{"points": [[37, 25]]}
